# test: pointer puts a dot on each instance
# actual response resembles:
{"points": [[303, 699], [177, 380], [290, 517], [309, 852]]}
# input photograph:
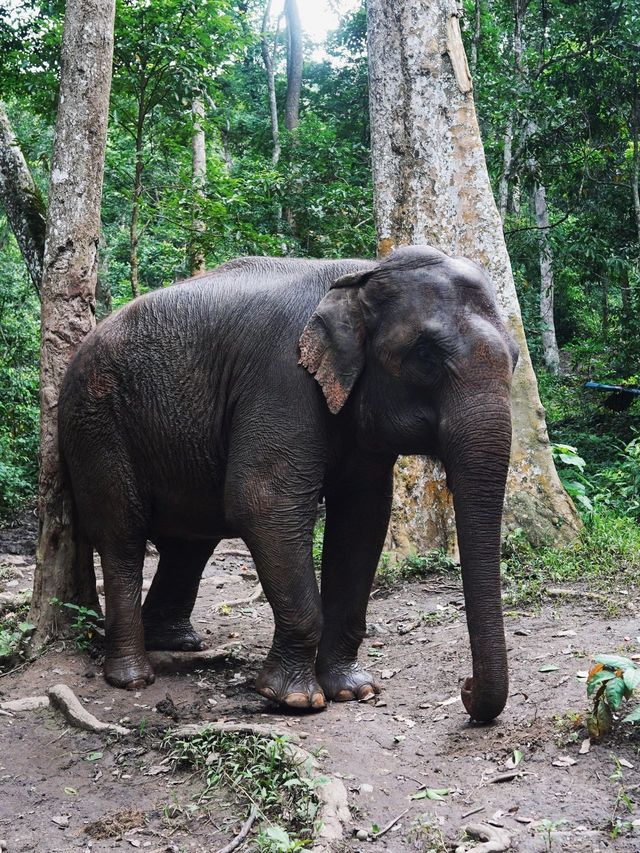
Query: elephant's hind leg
{"points": [[126, 663], [166, 613]]}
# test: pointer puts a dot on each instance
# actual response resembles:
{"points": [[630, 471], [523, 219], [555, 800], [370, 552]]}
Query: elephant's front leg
{"points": [[356, 525], [280, 539]]}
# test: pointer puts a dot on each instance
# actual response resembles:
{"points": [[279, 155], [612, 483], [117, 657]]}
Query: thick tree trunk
{"points": [[269, 64], [64, 564], [431, 186], [21, 201], [550, 352], [199, 177], [294, 65]]}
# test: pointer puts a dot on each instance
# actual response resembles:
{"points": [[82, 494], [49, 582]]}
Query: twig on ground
{"points": [[244, 831], [473, 811], [390, 825], [556, 592], [232, 552]]}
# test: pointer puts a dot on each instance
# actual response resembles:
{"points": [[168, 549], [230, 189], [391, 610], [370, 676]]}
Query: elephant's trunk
{"points": [[477, 442]]}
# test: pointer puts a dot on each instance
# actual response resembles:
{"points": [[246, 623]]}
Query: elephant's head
{"points": [[417, 347]]}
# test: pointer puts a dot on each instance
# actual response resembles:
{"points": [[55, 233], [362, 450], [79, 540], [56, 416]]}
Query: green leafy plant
{"points": [[571, 467], [611, 681], [13, 633], [262, 771], [83, 625]]}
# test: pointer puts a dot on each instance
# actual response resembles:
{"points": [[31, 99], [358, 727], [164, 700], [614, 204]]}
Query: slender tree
{"points": [[431, 186], [294, 64], [268, 57], [198, 177], [64, 563], [21, 200]]}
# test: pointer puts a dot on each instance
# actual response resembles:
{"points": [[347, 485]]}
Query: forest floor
{"points": [[62, 789]]}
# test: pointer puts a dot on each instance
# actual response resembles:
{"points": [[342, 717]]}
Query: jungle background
{"points": [[556, 86]]}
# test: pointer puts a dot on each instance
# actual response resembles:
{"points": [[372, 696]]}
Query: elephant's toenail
{"points": [[344, 695], [318, 701]]}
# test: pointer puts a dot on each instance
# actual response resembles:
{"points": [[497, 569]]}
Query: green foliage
{"points": [[612, 680], [414, 566], [262, 771], [83, 625], [19, 415], [14, 631], [607, 546]]}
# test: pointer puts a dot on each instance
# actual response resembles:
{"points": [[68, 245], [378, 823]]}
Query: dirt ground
{"points": [[62, 789]]}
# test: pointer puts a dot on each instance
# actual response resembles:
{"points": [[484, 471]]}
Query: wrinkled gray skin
{"points": [[193, 414]]}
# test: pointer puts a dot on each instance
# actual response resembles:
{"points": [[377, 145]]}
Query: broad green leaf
{"points": [[430, 794], [614, 691], [631, 678], [633, 717], [615, 661], [597, 679]]}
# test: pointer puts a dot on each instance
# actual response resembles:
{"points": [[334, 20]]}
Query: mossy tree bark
{"points": [[64, 563], [432, 186]]}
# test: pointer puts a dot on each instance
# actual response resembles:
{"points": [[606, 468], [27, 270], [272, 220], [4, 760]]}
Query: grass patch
{"points": [[414, 567], [604, 555], [259, 771]]}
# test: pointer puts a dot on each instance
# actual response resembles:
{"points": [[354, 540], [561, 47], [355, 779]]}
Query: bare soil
{"points": [[62, 789]]}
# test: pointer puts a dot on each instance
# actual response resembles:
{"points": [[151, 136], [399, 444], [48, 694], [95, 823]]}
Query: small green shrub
{"points": [[613, 680], [84, 625]]}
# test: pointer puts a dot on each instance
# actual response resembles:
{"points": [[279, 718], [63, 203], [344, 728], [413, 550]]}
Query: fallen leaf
{"points": [[94, 756], [451, 701], [564, 761], [565, 634], [61, 820], [548, 667], [514, 759], [387, 673], [585, 746], [71, 791], [522, 632], [430, 794], [158, 768], [624, 763]]}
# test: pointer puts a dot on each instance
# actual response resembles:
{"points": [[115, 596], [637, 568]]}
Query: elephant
{"points": [[228, 404]]}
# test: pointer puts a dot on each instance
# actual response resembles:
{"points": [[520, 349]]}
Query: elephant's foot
{"points": [[346, 682], [129, 671], [179, 637], [296, 688]]}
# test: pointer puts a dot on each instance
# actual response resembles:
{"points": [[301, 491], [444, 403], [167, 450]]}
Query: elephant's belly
{"points": [[193, 515]]}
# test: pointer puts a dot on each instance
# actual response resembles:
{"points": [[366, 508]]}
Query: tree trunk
{"points": [[550, 352], [431, 186], [267, 58], [134, 235], [294, 65], [64, 562], [477, 32], [22, 201], [503, 185], [199, 177], [635, 172]]}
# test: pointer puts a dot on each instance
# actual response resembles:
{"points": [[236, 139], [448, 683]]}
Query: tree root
{"points": [[257, 592], [63, 699], [28, 703], [244, 831], [493, 840], [171, 662]]}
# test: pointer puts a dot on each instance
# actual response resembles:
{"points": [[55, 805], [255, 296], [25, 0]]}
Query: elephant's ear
{"points": [[332, 343]]}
